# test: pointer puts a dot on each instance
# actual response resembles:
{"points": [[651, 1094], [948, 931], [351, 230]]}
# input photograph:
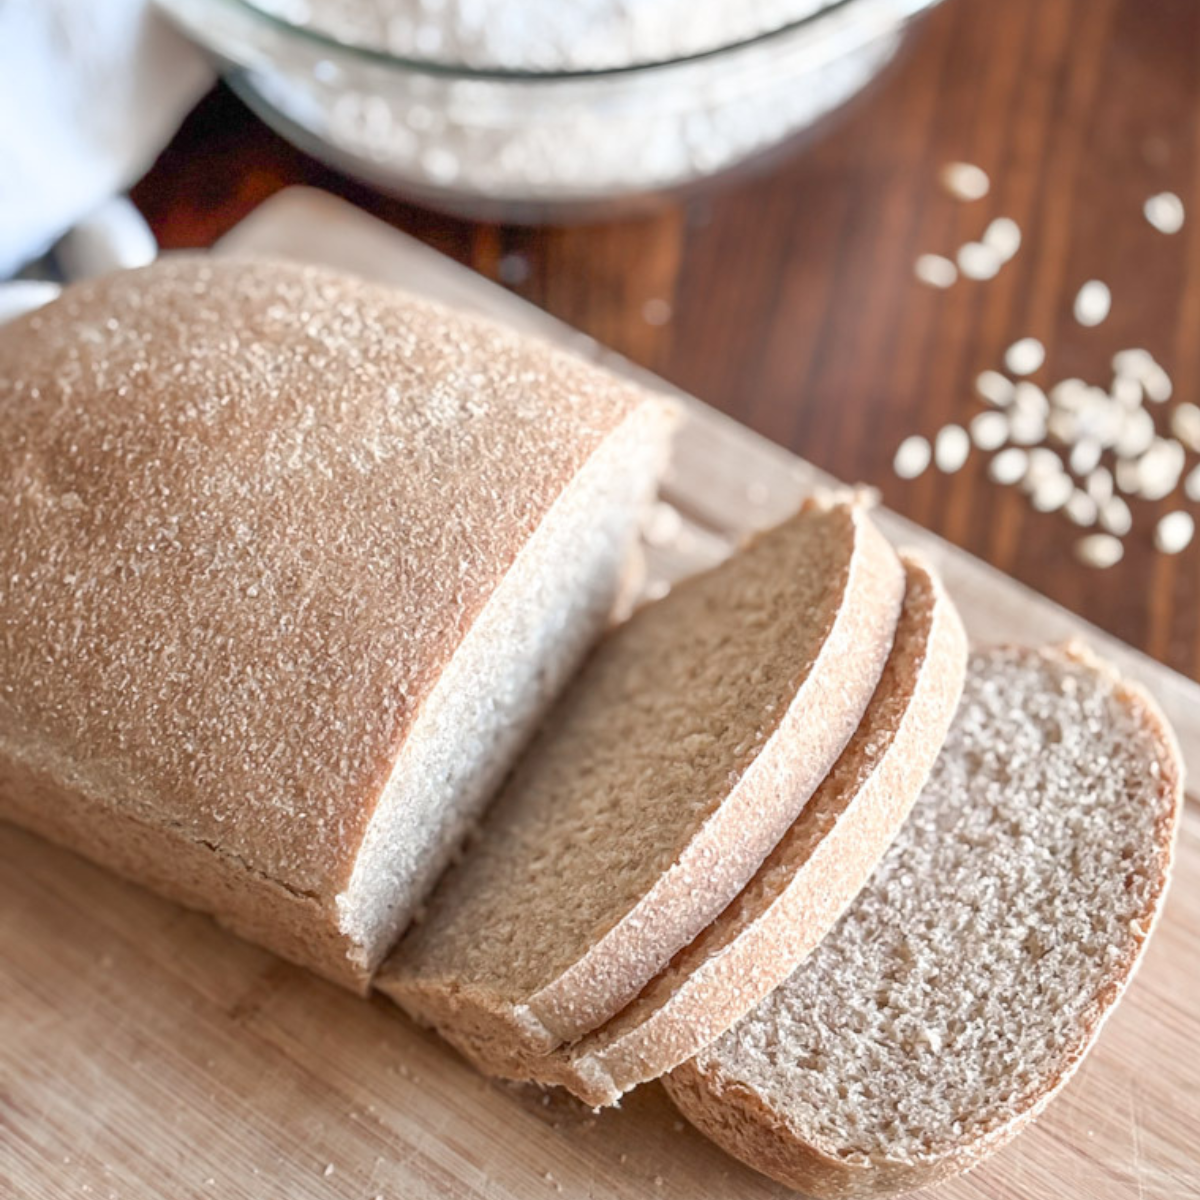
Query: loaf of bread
{"points": [[967, 981], [291, 569], [291, 566]]}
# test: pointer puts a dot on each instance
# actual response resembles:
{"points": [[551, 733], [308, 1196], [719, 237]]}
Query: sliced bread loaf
{"points": [[290, 567], [806, 881], [670, 769], [965, 984]]}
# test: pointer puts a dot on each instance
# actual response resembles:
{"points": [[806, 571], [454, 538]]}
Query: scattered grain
{"points": [[1009, 466], [978, 261], [1099, 485], [989, 430], [1026, 427], [1185, 425], [1029, 397], [1127, 391], [1004, 236], [1157, 385], [935, 270], [1043, 463], [1099, 550], [1159, 469], [912, 457], [1068, 393], [951, 448], [965, 181], [1051, 493], [1024, 356], [1081, 508], [1175, 532], [995, 388], [1192, 487], [1136, 434], [1135, 362], [1085, 456], [1127, 475], [1063, 425], [1098, 418], [1093, 303], [656, 311], [1115, 516], [1165, 212]]}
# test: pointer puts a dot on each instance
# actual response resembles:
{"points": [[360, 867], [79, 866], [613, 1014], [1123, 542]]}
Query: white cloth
{"points": [[90, 92]]}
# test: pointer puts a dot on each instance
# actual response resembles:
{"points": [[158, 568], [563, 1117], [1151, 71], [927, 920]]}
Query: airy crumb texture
{"points": [[250, 513], [966, 982], [806, 881], [673, 765]]}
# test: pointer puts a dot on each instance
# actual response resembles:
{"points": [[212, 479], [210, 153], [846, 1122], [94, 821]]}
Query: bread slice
{"points": [[807, 880], [673, 765], [967, 981], [291, 566]]}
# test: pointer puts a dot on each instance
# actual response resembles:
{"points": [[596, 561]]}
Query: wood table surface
{"points": [[787, 297]]}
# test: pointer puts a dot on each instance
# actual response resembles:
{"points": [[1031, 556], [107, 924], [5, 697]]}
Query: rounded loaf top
{"points": [[249, 511]]}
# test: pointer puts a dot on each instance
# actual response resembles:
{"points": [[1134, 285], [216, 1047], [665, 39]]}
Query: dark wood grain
{"points": [[791, 294]]}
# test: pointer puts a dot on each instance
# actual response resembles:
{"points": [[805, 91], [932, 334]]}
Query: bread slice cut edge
{"points": [[753, 1128], [498, 1034], [806, 882]]}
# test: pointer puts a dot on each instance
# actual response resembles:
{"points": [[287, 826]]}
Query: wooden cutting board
{"points": [[146, 1053]]}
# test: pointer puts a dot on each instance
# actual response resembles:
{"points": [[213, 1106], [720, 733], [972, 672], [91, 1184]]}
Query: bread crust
{"points": [[251, 512], [748, 1126]]}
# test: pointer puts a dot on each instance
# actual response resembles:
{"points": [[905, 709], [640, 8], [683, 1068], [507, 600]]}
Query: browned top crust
{"points": [[248, 511]]}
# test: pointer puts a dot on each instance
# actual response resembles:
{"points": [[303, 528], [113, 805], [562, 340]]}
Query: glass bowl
{"points": [[538, 146]]}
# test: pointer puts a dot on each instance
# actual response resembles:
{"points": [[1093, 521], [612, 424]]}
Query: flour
{"points": [[542, 35]]}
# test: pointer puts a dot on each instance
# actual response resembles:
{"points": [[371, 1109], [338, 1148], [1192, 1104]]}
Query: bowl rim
{"points": [[385, 58]]}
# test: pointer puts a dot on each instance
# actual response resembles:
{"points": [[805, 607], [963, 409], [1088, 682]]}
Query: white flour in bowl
{"points": [[542, 35]]}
